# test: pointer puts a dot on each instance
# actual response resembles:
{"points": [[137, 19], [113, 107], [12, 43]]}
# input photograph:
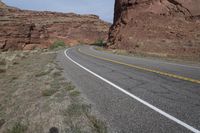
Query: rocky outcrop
{"points": [[157, 27], [22, 29]]}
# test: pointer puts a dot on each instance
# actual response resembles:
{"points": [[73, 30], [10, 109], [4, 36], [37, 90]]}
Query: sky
{"points": [[102, 8]]}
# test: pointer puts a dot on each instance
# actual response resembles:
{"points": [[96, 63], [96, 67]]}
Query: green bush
{"points": [[57, 44], [100, 43]]}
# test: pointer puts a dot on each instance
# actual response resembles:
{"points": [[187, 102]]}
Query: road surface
{"points": [[136, 94]]}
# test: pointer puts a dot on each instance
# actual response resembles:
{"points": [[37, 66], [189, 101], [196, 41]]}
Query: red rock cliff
{"points": [[22, 29], [157, 27]]}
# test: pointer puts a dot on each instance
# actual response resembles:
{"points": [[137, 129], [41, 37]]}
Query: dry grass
{"points": [[35, 92], [48, 92], [18, 128], [97, 124], [70, 87], [77, 111], [74, 93]]}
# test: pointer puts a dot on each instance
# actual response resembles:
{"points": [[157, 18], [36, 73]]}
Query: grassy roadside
{"points": [[36, 98]]}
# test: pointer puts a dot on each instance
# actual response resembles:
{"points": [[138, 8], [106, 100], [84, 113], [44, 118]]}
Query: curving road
{"points": [[136, 94]]}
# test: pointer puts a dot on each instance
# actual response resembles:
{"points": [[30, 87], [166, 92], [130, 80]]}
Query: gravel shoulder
{"points": [[158, 57]]}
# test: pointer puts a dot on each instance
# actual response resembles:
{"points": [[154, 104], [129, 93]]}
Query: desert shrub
{"points": [[69, 87], [74, 93], [57, 44], [76, 110], [42, 73], [100, 43], [48, 92], [98, 125]]}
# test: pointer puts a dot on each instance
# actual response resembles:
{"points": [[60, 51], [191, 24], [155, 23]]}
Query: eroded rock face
{"points": [[22, 29], [157, 27]]}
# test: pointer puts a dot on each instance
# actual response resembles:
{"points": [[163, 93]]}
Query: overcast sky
{"points": [[102, 8]]}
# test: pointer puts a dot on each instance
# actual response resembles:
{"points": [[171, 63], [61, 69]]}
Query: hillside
{"points": [[169, 28], [23, 29]]}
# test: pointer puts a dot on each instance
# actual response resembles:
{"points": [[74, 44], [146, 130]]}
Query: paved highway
{"points": [[136, 94]]}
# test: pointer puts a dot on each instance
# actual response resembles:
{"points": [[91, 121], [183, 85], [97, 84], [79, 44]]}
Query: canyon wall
{"points": [[157, 27], [23, 29]]}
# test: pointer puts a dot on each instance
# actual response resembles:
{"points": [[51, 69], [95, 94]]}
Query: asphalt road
{"points": [[136, 95]]}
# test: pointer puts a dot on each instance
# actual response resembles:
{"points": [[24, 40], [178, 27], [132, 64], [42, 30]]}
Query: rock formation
{"points": [[23, 29], [157, 27]]}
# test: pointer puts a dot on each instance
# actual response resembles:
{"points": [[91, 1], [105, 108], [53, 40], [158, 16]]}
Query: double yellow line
{"points": [[144, 69]]}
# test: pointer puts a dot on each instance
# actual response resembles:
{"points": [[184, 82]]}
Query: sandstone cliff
{"points": [[22, 29], [157, 27]]}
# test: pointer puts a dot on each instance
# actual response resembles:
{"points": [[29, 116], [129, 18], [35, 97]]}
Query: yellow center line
{"points": [[144, 69]]}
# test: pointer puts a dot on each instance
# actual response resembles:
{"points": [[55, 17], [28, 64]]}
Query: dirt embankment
{"points": [[35, 98], [168, 28]]}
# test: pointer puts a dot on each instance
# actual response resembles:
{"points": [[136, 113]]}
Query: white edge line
{"points": [[136, 98]]}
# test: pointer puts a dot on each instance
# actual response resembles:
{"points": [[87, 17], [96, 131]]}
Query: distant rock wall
{"points": [[22, 29], [157, 27]]}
